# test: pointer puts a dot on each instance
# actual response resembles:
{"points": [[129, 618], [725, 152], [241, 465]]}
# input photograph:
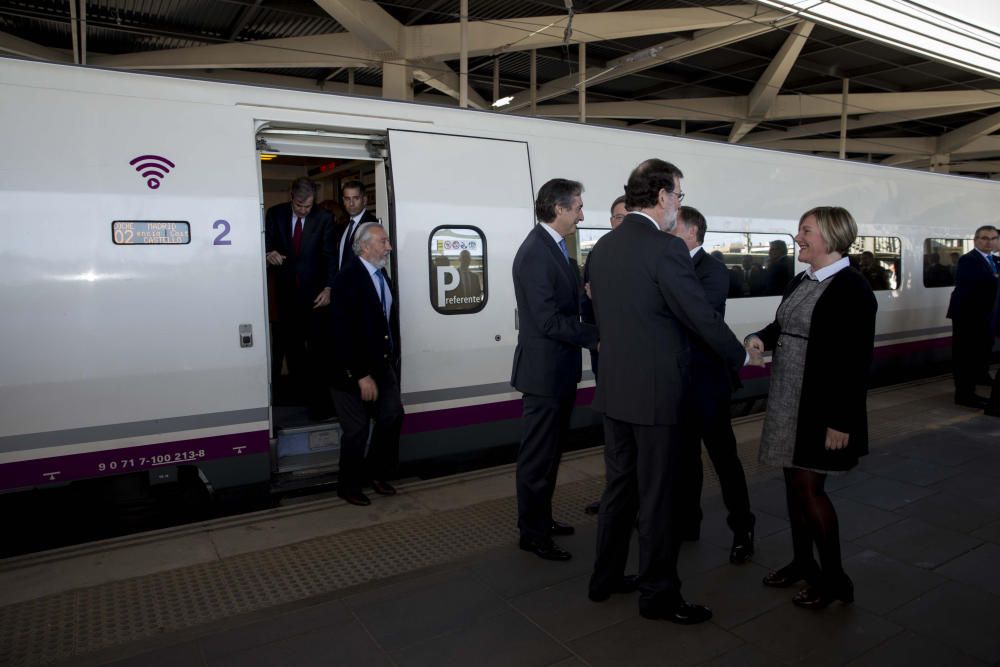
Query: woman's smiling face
{"points": [[812, 247]]}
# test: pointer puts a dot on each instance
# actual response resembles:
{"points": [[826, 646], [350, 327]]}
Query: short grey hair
{"points": [[362, 234]]}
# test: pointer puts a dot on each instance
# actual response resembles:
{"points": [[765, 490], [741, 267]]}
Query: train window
{"points": [[941, 260], [586, 239], [759, 264], [146, 232], [457, 270], [878, 259]]}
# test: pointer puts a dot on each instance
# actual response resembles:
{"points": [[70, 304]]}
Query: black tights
{"points": [[814, 521]]}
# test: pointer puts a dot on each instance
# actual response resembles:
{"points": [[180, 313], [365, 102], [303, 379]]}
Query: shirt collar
{"points": [[655, 224], [695, 251], [556, 236], [828, 271], [988, 256], [358, 217], [368, 265]]}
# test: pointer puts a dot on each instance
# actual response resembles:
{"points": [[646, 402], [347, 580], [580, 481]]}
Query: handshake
{"points": [[755, 348]]}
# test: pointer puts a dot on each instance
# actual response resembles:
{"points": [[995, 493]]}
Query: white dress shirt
{"points": [[372, 270], [349, 231], [828, 271]]}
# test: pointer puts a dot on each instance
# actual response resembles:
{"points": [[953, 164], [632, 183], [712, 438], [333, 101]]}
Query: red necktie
{"points": [[297, 236]]}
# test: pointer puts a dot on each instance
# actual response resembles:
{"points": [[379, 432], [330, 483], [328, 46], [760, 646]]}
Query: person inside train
{"points": [[970, 310], [648, 303], [352, 194], [737, 282], [470, 285], [365, 333], [300, 254], [876, 276], [816, 422], [709, 418], [935, 274], [779, 268], [547, 360]]}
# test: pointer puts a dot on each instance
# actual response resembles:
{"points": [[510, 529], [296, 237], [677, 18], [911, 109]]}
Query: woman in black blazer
{"points": [[817, 419]]}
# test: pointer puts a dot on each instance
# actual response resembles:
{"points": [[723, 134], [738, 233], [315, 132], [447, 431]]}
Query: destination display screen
{"points": [[149, 232]]}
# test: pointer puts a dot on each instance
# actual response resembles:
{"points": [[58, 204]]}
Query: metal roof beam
{"points": [[22, 47], [963, 136], [766, 90], [674, 49]]}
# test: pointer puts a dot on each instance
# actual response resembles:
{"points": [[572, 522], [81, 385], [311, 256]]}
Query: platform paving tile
{"points": [[989, 532], [857, 519], [639, 641], [883, 493], [768, 496], [919, 543], [958, 615], [506, 638], [832, 636], [511, 572], [345, 645], [277, 627], [188, 654], [882, 584], [949, 446], [979, 567], [564, 611], [950, 510], [915, 471], [734, 593], [910, 650]]}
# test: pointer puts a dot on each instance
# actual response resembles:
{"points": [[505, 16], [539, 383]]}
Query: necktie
{"points": [[992, 261], [297, 236], [348, 239], [385, 305], [565, 251]]}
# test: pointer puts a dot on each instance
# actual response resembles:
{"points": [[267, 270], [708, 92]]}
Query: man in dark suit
{"points": [[366, 367], [298, 240], [970, 311], [710, 420], [779, 268], [355, 202], [547, 359], [648, 302]]}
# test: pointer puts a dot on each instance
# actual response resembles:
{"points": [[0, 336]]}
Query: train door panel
{"points": [[462, 207]]}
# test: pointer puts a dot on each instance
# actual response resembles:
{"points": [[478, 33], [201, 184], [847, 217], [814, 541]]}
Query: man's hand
{"points": [[369, 390], [836, 439], [586, 288], [322, 299], [275, 258], [754, 343]]}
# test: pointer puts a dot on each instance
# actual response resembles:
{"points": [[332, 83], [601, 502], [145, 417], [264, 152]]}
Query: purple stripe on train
{"points": [[130, 459]]}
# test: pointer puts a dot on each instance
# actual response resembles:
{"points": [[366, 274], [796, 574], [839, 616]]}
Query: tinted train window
{"points": [[586, 239], [457, 258], [878, 259], [941, 258], [759, 264]]}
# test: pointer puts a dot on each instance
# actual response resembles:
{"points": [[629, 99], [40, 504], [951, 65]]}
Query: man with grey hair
{"points": [[301, 263], [366, 367]]}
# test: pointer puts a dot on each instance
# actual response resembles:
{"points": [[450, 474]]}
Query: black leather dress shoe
{"points": [[972, 401], [355, 498], [627, 584], [560, 528], [742, 549], [787, 576], [548, 550], [683, 614], [383, 488], [820, 597]]}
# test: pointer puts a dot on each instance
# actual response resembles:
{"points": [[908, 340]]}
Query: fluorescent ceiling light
{"points": [[970, 42], [503, 101]]}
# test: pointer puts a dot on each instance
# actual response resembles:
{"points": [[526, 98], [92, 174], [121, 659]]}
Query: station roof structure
{"points": [[770, 74]]}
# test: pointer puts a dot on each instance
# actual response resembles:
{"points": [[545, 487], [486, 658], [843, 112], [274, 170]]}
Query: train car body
{"points": [[134, 331]]}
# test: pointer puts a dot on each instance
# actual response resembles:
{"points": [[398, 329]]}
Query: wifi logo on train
{"points": [[153, 168]]}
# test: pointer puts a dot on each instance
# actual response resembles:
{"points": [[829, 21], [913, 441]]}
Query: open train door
{"points": [[462, 206]]}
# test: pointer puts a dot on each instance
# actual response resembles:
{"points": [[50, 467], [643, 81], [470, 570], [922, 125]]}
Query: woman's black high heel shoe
{"points": [[789, 575], [820, 597]]}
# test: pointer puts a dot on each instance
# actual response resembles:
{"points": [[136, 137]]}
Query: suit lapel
{"points": [[285, 228], [557, 255]]}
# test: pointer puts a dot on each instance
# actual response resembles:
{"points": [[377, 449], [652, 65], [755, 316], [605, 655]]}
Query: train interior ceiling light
{"points": [[971, 42]]}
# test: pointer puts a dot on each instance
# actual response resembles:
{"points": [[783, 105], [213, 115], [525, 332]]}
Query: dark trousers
{"points": [[356, 467], [710, 423], [298, 341], [545, 423], [971, 347], [643, 465]]}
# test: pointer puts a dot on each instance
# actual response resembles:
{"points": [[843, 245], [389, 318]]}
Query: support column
{"points": [[582, 85], [83, 32], [350, 81], [941, 163], [843, 121], [74, 33], [463, 54], [534, 82], [397, 80], [496, 79]]}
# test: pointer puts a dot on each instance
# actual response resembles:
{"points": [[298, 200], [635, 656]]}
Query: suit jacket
{"points": [[975, 289], [364, 343], [348, 254], [835, 380], [708, 370], [301, 278], [547, 359], [648, 301]]}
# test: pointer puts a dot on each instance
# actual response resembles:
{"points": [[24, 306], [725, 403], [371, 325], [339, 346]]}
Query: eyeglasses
{"points": [[618, 216], [987, 238], [679, 195]]}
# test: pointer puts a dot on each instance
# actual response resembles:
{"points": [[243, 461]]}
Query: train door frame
{"points": [[334, 144]]}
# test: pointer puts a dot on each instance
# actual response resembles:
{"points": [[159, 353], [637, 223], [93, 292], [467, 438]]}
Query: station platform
{"points": [[433, 575]]}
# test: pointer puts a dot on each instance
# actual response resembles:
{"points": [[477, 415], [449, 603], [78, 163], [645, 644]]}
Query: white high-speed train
{"points": [[134, 327]]}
